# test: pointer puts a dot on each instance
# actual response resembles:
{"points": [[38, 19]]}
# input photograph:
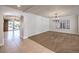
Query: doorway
{"points": [[12, 26]]}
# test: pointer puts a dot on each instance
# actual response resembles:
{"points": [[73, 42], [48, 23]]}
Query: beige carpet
{"points": [[58, 42]]}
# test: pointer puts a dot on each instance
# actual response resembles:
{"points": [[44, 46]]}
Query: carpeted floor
{"points": [[58, 42]]}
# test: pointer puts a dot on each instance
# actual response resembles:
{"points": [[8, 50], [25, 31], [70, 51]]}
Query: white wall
{"points": [[73, 25], [78, 24], [1, 30], [34, 24]]}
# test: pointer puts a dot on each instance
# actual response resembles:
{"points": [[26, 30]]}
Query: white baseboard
{"points": [[25, 37]]}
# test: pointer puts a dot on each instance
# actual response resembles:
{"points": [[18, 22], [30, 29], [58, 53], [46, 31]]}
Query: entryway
{"points": [[11, 30]]}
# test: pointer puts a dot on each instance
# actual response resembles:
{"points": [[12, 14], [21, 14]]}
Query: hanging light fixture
{"points": [[56, 16], [56, 13]]}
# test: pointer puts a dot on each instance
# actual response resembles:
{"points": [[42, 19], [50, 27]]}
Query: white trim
{"points": [[25, 37]]}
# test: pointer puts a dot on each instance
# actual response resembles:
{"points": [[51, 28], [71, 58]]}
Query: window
{"points": [[62, 24]]}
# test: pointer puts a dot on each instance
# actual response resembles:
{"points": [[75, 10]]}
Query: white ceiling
{"points": [[23, 7], [49, 10]]}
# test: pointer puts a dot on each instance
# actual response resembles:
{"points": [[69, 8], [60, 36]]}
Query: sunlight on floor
{"points": [[12, 34]]}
